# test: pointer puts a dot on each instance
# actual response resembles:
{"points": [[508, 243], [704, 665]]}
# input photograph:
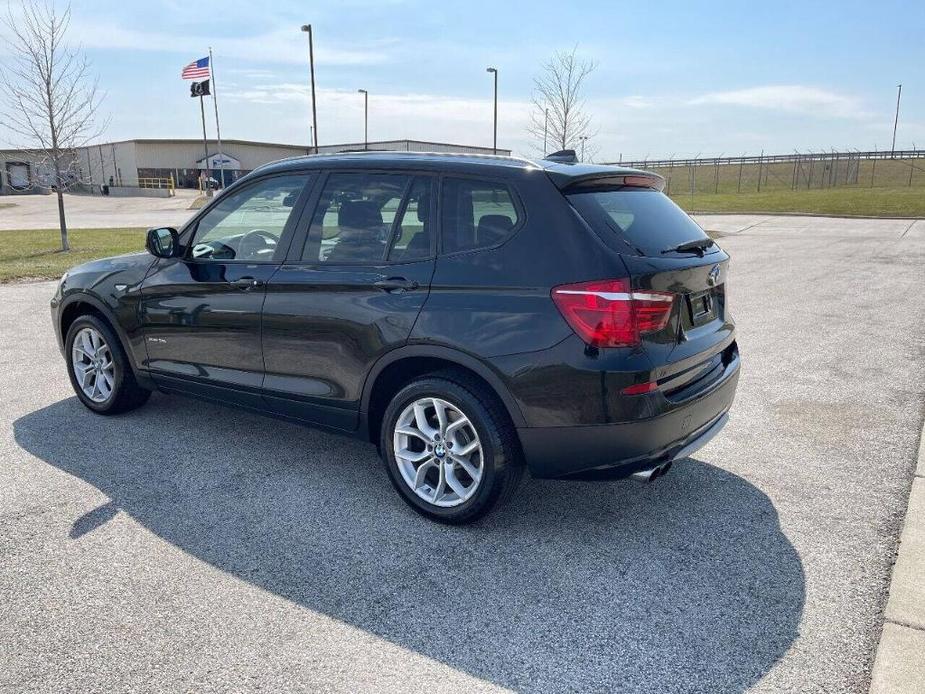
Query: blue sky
{"points": [[672, 77]]}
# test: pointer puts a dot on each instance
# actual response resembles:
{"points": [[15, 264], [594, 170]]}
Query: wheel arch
{"points": [[405, 363], [81, 303]]}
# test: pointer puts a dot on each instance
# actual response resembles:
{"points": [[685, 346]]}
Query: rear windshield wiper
{"points": [[696, 246]]}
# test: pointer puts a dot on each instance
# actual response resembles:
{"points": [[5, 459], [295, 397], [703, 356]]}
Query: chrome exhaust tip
{"points": [[645, 476], [652, 474]]}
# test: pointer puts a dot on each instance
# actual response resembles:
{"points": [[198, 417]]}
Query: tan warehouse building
{"points": [[133, 163]]}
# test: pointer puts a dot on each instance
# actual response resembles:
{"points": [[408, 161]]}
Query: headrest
{"points": [[493, 228], [424, 207], [359, 214]]}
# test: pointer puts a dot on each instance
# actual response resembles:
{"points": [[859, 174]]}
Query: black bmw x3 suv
{"points": [[472, 316]]}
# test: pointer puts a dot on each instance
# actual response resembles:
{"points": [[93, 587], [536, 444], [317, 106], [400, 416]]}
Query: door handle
{"points": [[246, 283], [396, 284]]}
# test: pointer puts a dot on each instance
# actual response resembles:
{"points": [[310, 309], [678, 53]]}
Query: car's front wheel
{"points": [[98, 366], [449, 448]]}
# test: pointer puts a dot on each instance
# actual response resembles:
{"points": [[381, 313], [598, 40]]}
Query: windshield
{"points": [[646, 220]]}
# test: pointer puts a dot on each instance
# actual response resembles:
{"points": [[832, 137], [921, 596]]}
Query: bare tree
{"points": [[50, 98], [558, 118]]}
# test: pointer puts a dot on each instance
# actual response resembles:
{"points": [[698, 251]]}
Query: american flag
{"points": [[196, 70]]}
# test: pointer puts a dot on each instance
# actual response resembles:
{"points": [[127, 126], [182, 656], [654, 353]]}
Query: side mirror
{"points": [[163, 242]]}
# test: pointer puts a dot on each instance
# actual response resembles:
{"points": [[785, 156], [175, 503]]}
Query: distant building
{"points": [[135, 162]]}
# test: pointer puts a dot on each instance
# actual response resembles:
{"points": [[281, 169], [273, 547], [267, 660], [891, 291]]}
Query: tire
{"points": [[123, 393], [496, 454]]}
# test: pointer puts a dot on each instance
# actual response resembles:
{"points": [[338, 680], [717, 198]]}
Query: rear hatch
{"points": [[664, 250]]}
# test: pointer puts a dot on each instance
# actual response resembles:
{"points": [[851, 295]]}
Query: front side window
{"points": [[246, 224], [476, 214]]}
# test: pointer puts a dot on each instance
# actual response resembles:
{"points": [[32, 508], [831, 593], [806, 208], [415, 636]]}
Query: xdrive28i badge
{"points": [[713, 277]]}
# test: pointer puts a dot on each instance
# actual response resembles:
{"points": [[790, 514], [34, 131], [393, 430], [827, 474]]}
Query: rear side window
{"points": [[411, 239], [646, 220], [354, 218], [476, 214]]}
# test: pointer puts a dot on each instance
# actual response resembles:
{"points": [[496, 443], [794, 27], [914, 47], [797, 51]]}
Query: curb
{"points": [[801, 214], [899, 666], [27, 280]]}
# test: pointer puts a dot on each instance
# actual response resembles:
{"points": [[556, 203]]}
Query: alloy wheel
{"points": [[438, 452], [93, 365]]}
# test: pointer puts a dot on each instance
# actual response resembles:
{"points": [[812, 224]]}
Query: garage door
{"points": [[19, 176]]}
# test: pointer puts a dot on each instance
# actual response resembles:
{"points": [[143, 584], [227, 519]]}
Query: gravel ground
{"points": [[189, 547]]}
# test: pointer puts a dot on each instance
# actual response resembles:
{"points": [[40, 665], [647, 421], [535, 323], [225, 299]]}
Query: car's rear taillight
{"points": [[608, 313]]}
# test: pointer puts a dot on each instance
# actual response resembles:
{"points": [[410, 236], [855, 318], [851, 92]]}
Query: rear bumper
{"points": [[613, 451]]}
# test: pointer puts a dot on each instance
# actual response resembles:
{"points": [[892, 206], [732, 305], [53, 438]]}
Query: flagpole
{"points": [[218, 128], [205, 148]]}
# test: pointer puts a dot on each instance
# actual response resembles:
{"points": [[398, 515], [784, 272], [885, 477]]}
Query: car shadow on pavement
{"points": [[682, 585]]}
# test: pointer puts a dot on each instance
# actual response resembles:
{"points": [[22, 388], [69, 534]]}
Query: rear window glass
{"points": [[646, 220]]}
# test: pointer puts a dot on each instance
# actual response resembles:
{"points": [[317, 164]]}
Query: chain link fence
{"points": [[794, 172]]}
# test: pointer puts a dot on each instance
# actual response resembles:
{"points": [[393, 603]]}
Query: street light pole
{"points": [[365, 117], [899, 94], [583, 139], [494, 146], [311, 62]]}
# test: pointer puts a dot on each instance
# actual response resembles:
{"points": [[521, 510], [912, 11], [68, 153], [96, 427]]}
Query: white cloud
{"points": [[792, 98], [252, 73], [284, 46], [409, 105], [436, 117], [636, 102]]}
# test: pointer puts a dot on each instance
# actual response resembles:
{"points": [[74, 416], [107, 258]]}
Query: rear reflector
{"points": [[608, 313], [640, 388]]}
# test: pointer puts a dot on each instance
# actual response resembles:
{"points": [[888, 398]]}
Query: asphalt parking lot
{"points": [[95, 211], [190, 547]]}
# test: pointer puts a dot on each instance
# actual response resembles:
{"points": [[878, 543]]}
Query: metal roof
{"points": [[372, 144]]}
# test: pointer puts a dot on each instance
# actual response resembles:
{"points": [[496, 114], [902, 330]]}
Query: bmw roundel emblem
{"points": [[713, 277]]}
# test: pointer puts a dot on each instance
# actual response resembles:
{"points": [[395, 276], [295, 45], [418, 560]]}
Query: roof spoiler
{"points": [[641, 179], [563, 156]]}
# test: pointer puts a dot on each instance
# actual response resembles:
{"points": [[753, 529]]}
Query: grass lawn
{"points": [[873, 202], [37, 254]]}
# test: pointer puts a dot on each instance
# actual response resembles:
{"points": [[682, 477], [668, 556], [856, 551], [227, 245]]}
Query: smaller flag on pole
{"points": [[196, 70], [200, 88]]}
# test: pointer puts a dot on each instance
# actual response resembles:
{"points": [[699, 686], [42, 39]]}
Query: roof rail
{"points": [[563, 156]]}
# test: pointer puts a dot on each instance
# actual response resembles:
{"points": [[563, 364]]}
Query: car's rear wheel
{"points": [[99, 370], [449, 448]]}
